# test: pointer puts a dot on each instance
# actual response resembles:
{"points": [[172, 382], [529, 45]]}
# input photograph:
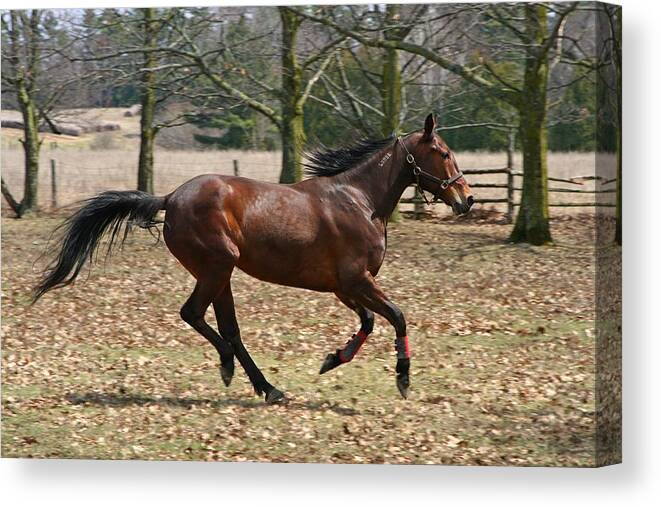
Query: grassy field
{"points": [[502, 357]]}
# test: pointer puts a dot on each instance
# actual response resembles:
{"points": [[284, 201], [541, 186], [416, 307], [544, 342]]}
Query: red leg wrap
{"points": [[352, 346], [402, 347]]}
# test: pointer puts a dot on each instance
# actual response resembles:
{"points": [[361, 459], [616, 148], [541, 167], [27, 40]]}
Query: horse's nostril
{"points": [[470, 201]]}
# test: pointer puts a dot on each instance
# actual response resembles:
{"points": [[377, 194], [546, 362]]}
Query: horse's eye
{"points": [[445, 155]]}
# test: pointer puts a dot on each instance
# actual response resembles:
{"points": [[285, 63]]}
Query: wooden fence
{"points": [[510, 186]]}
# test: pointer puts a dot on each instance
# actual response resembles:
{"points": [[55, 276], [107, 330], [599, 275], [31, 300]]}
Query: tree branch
{"points": [[471, 76]]}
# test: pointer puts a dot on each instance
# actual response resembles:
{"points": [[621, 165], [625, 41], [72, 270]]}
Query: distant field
{"points": [[83, 172], [92, 163], [125, 138]]}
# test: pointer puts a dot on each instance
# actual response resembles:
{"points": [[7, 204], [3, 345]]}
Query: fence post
{"points": [[418, 208], [511, 139], [53, 184], [236, 167]]}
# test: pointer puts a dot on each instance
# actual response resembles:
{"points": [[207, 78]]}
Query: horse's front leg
{"points": [[350, 349], [367, 293]]}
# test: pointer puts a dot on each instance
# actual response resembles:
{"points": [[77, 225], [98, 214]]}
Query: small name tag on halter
{"points": [[385, 159]]}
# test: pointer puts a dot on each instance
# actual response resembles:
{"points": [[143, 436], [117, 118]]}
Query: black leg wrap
{"points": [[332, 361], [402, 369]]}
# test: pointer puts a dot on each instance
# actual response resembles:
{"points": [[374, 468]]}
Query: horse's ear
{"points": [[430, 125]]}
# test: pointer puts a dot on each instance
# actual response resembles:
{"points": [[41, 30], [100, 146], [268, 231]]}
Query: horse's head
{"points": [[436, 170]]}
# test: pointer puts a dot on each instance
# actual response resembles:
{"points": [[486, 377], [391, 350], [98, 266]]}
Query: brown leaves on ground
{"points": [[502, 368]]}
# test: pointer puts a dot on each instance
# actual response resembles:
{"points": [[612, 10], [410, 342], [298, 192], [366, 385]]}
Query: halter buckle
{"points": [[410, 159], [444, 184]]}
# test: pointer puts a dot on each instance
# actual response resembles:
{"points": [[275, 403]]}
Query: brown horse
{"points": [[327, 233]]}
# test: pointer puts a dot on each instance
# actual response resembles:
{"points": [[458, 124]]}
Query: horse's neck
{"points": [[383, 179]]}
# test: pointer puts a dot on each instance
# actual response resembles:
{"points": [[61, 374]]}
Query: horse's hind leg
{"points": [[193, 314], [226, 359], [350, 349], [224, 307]]}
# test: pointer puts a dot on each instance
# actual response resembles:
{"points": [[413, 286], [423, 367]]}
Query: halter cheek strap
{"points": [[418, 173]]}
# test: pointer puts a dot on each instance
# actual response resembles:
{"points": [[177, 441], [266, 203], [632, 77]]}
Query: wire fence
{"points": [[66, 178]]}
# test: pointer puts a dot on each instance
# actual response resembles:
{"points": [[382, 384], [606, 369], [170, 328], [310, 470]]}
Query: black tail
{"points": [[81, 232]]}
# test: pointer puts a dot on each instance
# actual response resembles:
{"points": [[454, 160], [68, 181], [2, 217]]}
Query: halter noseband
{"points": [[418, 172]]}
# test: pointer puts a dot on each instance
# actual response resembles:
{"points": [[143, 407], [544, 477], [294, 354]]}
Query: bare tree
{"points": [[531, 37], [386, 73], [148, 101], [22, 53], [128, 49], [359, 72], [234, 80], [38, 78]]}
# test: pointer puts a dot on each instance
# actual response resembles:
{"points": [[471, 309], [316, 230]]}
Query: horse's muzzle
{"points": [[461, 208]]}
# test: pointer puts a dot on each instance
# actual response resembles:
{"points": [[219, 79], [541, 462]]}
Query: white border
{"points": [[44, 482]]}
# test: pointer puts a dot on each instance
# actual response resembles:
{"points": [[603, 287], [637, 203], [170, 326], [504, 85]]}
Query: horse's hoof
{"points": [[274, 396], [403, 386], [332, 361], [226, 373]]}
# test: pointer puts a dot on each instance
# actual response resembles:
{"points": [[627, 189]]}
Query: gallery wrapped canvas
{"points": [[323, 234]]}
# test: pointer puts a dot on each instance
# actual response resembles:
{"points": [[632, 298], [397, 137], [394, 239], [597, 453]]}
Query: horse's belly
{"points": [[291, 273], [294, 260]]}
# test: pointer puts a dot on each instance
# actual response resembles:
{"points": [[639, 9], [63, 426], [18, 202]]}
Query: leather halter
{"points": [[418, 172]]}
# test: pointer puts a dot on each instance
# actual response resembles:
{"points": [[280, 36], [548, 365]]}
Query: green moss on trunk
{"points": [[31, 147], [532, 221], [391, 89], [291, 128], [148, 102]]}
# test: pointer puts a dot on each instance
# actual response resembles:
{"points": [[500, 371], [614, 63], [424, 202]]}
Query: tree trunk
{"points": [[532, 221], [391, 93], [618, 91], [291, 128], [31, 147], [618, 201], [391, 89], [148, 101], [293, 142], [146, 157]]}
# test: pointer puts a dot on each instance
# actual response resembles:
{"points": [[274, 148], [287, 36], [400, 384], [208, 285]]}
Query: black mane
{"points": [[328, 162]]}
